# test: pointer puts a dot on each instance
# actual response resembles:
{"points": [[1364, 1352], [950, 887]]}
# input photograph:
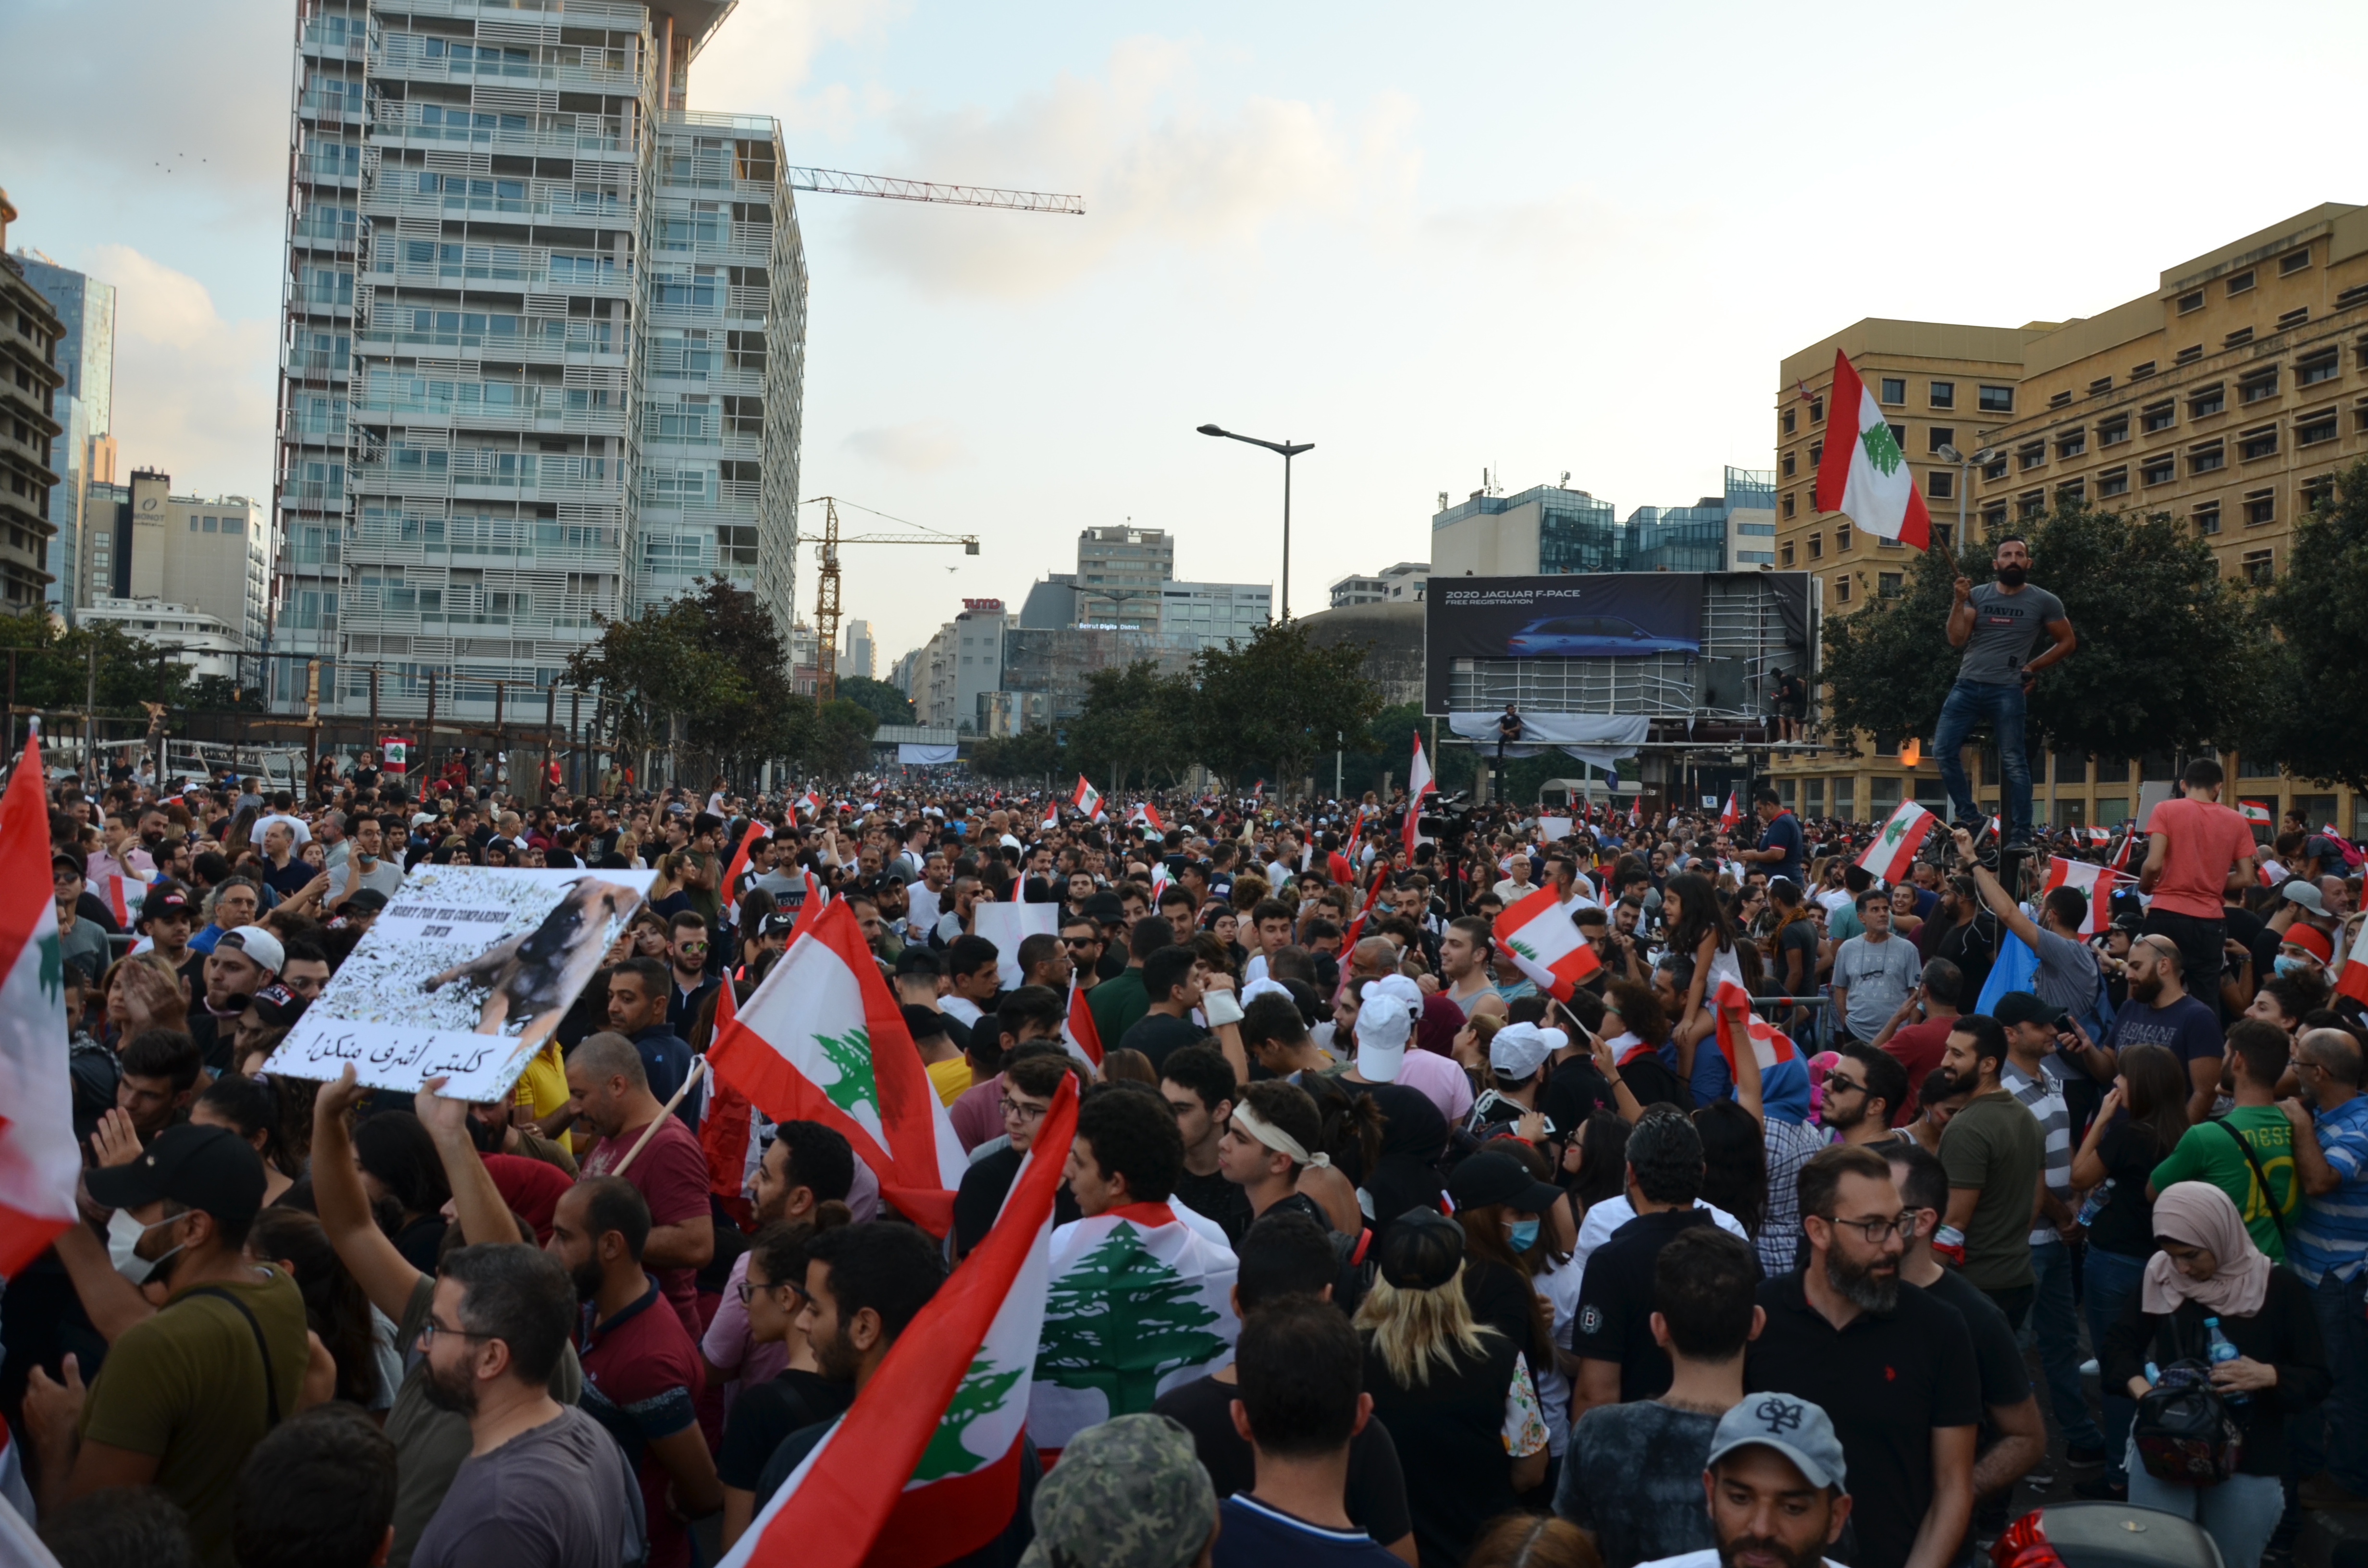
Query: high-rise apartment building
{"points": [[1120, 573], [858, 658], [30, 336], [543, 347], [2229, 397], [83, 407]]}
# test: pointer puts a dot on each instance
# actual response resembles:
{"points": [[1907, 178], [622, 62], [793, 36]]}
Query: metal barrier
{"points": [[1786, 1013]]}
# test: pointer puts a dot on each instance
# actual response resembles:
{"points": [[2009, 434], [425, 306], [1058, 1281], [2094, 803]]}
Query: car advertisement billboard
{"points": [[1588, 615]]}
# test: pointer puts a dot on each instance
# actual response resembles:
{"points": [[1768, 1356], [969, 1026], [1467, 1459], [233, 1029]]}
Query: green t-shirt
{"points": [[1994, 1146], [2206, 1152], [1117, 1004], [187, 1387]]}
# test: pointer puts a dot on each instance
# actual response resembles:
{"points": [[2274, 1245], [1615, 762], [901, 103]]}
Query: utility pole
{"points": [[90, 713]]}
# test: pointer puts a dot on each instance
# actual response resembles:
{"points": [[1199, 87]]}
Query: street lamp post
{"points": [[1966, 466], [1289, 451]]}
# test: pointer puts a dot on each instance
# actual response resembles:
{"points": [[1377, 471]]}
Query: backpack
{"points": [[2183, 1431]]}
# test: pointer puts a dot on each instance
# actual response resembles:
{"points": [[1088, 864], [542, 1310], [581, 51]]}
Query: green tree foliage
{"points": [[2313, 621], [2166, 659], [890, 705], [836, 741], [1136, 722], [1271, 707], [1118, 1320], [53, 668], [1031, 757]]}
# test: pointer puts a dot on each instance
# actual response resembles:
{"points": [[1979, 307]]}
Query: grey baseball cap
{"points": [[2299, 889], [1801, 1432], [1128, 1494]]}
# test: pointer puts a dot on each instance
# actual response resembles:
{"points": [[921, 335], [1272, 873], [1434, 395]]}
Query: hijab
{"points": [[1414, 1140], [2200, 1215]]}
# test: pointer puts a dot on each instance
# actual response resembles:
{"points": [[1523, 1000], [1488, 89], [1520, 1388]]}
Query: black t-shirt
{"points": [[1376, 1496], [1615, 1317], [2125, 1224], [1575, 1091], [1886, 1382], [768, 1412], [1973, 948], [1157, 1034], [1800, 936], [1213, 1198], [1651, 1081], [985, 1187], [2004, 1379], [1449, 1436], [1112, 963]]}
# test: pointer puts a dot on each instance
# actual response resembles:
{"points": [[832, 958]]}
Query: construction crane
{"points": [[826, 589], [839, 182]]}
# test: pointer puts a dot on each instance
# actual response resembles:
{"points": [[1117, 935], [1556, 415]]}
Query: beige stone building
{"points": [[2229, 397]]}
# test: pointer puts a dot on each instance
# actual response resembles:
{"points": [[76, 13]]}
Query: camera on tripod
{"points": [[1450, 817]]}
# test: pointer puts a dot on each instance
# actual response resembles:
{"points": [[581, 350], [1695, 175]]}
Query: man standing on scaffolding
{"points": [[1998, 625]]}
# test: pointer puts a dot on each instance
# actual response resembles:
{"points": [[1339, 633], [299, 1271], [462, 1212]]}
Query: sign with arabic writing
{"points": [[466, 974]]}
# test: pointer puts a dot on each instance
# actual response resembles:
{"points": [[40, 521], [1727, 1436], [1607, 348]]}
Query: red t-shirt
{"points": [[671, 1177], [641, 1381], [1918, 1047], [530, 1187], [2205, 840]]}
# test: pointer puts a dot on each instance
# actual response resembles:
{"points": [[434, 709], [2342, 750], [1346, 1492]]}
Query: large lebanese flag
{"points": [[1140, 1302], [1419, 784], [1769, 1044], [1147, 816], [727, 1133], [2096, 881], [1894, 849], [823, 1040], [1087, 798], [1538, 935], [1864, 474], [924, 1466], [39, 1161]]}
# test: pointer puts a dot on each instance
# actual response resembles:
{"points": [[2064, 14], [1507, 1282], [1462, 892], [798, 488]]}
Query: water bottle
{"points": [[2221, 1350], [2096, 1203]]}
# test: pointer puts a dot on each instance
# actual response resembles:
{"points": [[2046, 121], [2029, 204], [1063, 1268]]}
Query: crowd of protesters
{"points": [[1519, 1279]]}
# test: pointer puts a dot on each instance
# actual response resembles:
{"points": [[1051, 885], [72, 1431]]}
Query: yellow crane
{"points": [[827, 588]]}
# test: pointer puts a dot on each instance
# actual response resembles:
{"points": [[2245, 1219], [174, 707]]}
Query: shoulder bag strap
{"points": [[2260, 1175], [270, 1382]]}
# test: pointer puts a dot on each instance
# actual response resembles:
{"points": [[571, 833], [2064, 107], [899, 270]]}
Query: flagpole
{"points": [[698, 1066]]}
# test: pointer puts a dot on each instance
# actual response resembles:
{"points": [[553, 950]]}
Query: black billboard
{"points": [[1584, 614]]}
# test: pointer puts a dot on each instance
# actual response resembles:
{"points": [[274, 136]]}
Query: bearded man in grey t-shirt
{"points": [[1998, 624]]}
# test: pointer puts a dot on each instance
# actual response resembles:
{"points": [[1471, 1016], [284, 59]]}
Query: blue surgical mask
{"points": [[2290, 963], [1525, 1234]]}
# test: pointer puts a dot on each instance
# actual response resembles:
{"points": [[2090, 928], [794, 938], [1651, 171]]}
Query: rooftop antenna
{"points": [[1566, 480]]}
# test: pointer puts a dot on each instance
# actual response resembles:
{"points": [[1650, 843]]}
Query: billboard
{"points": [[1587, 615]]}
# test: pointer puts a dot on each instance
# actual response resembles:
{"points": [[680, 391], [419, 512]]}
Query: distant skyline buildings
{"points": [[84, 405]]}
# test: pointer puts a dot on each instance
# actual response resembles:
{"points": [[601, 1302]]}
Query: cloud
{"points": [[1159, 164], [922, 447], [193, 390], [763, 53]]}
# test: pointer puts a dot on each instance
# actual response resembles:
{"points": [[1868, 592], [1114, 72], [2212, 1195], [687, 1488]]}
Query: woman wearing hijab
{"points": [[2204, 1270]]}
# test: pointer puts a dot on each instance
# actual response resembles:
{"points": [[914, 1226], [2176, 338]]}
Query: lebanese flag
{"points": [[1147, 816], [727, 1133], [39, 1161], [2122, 856], [2352, 979], [1356, 931], [1538, 936], [1052, 822], [1635, 812], [1894, 849], [122, 892], [1139, 1303], [924, 1466], [1730, 816], [2096, 881], [1087, 799], [1867, 478], [2257, 813], [739, 866], [1769, 1043], [823, 1040], [809, 803], [1077, 1032], [1418, 785]]}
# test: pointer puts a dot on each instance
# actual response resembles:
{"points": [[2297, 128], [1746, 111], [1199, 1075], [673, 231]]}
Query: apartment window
{"points": [[2207, 401], [2258, 384], [1841, 587], [1816, 546], [2238, 338], [1788, 422], [2189, 355], [1941, 533], [2114, 431], [2207, 458], [2313, 429], [1817, 409], [1788, 502], [1944, 394], [2313, 369], [2157, 416], [2160, 470], [2113, 481], [2140, 372], [1816, 453], [2207, 516], [1993, 517], [1995, 400], [1994, 469], [2261, 507], [1786, 552], [2060, 400], [1894, 388], [2191, 300], [2259, 566], [2101, 386], [1890, 584], [2238, 282], [2261, 443], [1882, 544], [1900, 437], [2032, 455], [1940, 436], [2293, 262], [1841, 538], [2072, 444], [2355, 295], [1788, 465], [2071, 493], [2031, 504], [2317, 491], [1941, 484], [2294, 319]]}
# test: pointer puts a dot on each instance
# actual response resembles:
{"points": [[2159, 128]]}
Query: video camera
{"points": [[1450, 817]]}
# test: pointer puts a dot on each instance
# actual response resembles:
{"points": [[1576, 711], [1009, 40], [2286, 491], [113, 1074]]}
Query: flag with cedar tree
{"points": [[39, 1161]]}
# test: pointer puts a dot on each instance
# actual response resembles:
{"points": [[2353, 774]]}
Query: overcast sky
{"points": [[1531, 238]]}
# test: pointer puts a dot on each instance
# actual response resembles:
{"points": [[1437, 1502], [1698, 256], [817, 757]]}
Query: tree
{"points": [[54, 666], [709, 661], [891, 706], [2312, 624], [1272, 705], [837, 739], [1032, 755], [1134, 720], [2166, 658], [1118, 1320]]}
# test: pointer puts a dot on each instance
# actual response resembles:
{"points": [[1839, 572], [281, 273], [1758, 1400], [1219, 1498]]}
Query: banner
{"points": [[1580, 615]]}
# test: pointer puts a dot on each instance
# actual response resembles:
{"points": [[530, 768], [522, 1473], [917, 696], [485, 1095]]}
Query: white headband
{"points": [[1276, 1139]]}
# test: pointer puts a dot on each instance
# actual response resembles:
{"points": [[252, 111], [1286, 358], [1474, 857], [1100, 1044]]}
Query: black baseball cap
{"points": [[2022, 1007], [70, 859], [777, 924], [1422, 1250], [208, 1169], [1105, 909], [365, 901], [1487, 1178], [278, 1007]]}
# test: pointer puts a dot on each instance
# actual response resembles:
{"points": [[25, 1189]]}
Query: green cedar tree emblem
{"points": [[851, 1054], [1524, 949], [1896, 831], [1119, 1320], [53, 968], [983, 1391], [1882, 449]]}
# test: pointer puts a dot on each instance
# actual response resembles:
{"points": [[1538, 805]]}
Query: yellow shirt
{"points": [[542, 1087], [952, 1077]]}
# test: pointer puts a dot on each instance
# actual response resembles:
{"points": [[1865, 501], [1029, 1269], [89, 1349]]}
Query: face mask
{"points": [[1525, 1234], [124, 1234], [2290, 963]]}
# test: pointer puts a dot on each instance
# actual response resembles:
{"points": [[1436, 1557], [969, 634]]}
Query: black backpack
{"points": [[2183, 1431]]}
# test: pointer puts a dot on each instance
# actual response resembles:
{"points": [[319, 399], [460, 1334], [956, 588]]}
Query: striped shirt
{"points": [[2044, 1097], [2331, 1232], [1789, 1146]]}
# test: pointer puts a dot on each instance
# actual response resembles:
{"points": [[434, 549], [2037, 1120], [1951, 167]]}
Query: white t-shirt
{"points": [[961, 1009]]}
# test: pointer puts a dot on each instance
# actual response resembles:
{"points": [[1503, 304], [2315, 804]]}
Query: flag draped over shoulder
{"points": [[823, 1040], [924, 1466], [39, 1161]]}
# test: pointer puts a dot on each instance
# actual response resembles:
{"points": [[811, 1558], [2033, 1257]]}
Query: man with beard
{"points": [[2160, 1011], [805, 1166], [542, 1487], [642, 1378], [1996, 1154], [1774, 1488], [1998, 625], [1862, 1088], [1843, 1333]]}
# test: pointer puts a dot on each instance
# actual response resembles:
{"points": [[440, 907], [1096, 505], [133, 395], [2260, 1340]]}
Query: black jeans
{"points": [[2199, 944]]}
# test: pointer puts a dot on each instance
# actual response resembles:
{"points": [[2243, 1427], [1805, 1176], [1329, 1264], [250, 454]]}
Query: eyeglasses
{"points": [[1020, 1110], [1878, 1232], [693, 946], [429, 1328], [1837, 1084], [750, 1290]]}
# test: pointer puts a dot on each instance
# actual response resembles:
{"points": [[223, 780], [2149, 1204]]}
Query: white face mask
{"points": [[124, 1234]]}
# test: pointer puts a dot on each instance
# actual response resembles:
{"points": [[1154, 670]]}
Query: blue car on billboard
{"points": [[1590, 637]]}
